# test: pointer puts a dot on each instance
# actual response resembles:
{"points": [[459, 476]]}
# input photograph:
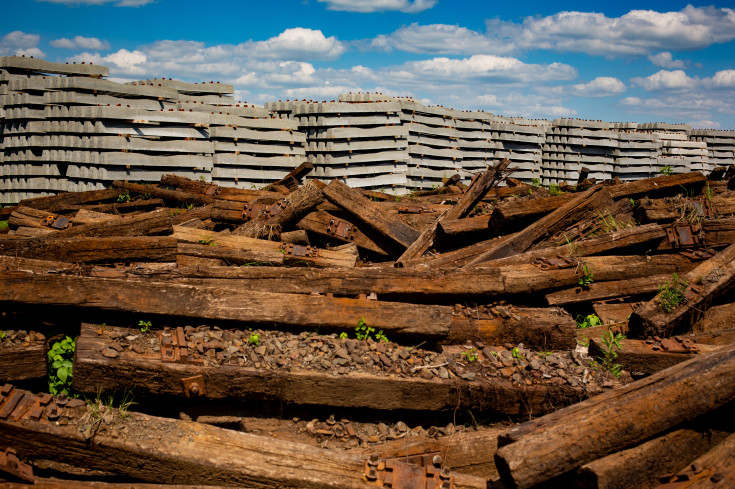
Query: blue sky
{"points": [[624, 61]]}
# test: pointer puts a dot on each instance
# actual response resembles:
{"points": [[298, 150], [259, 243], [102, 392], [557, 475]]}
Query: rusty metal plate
{"points": [[341, 229], [56, 222], [299, 251], [212, 190], [685, 235], [276, 208], [251, 211], [194, 386]]}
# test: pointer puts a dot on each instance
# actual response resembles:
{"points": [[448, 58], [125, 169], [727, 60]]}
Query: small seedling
{"points": [[208, 240], [589, 321], [671, 294], [535, 182], [632, 201], [61, 362], [2, 335], [587, 277], [609, 354], [362, 330], [666, 170], [379, 336], [343, 336], [254, 339], [3, 224], [124, 197], [470, 355], [144, 326], [554, 190]]}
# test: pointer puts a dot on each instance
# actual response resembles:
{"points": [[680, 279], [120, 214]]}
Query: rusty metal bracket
{"points": [[682, 236], [417, 472], [194, 386], [213, 190], [413, 209], [687, 477], [11, 464], [299, 251], [56, 222], [698, 255], [276, 208], [251, 211], [677, 344], [554, 263], [173, 346], [341, 229]]}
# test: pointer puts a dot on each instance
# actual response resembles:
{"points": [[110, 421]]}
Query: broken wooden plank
{"points": [[322, 223], [169, 451], [375, 219], [93, 250], [540, 450], [643, 465], [221, 303], [678, 305], [145, 372], [690, 183], [23, 362], [293, 179], [474, 193], [585, 202], [269, 249], [177, 196], [270, 221]]}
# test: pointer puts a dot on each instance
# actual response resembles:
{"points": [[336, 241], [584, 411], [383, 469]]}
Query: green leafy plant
{"points": [[587, 276], [666, 170], [254, 339], [2, 335], [632, 201], [379, 336], [588, 321], [671, 294], [708, 194], [124, 197], [362, 330], [208, 240], [544, 354], [343, 336], [3, 224], [144, 326], [61, 363], [554, 190], [611, 342], [470, 355], [146, 196], [535, 182]]}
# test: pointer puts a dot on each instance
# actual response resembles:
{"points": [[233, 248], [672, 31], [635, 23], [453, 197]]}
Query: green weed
{"points": [[666, 170], [587, 277], [589, 321], [609, 354], [61, 363], [470, 355], [144, 326], [671, 294], [124, 197], [254, 339]]}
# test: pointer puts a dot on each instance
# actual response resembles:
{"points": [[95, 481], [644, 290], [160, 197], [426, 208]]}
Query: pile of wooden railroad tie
{"points": [[190, 291]]}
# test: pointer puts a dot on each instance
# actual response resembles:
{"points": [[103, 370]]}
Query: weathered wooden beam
{"points": [[296, 205], [230, 256], [54, 203], [573, 210], [719, 462], [34, 218], [92, 250], [708, 280], [474, 193], [215, 191], [178, 196], [643, 465], [690, 183], [269, 249], [639, 356], [293, 179], [540, 450], [322, 223], [600, 291], [36, 265], [147, 224], [220, 303], [169, 451], [509, 217], [375, 219], [146, 373], [23, 363]]}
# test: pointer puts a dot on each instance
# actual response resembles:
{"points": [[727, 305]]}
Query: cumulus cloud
{"points": [[297, 43], [117, 3], [19, 43], [638, 32], [602, 86], [721, 79], [664, 59], [483, 67], [369, 6], [438, 39], [667, 80], [696, 106], [120, 62], [80, 42]]}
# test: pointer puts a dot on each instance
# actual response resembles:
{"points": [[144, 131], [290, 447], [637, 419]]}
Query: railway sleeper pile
{"points": [[385, 339]]}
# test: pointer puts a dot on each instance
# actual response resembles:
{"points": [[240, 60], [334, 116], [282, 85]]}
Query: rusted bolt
{"points": [[697, 467], [445, 473], [437, 461], [717, 477], [194, 389], [62, 400], [372, 474], [374, 459], [52, 412], [446, 485]]}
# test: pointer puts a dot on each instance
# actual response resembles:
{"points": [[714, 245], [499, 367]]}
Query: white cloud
{"points": [[638, 32], [721, 79], [667, 80], [602, 86], [664, 59], [704, 124], [297, 43], [438, 39], [368, 6], [695, 106], [515, 103], [118, 3], [120, 62], [19, 43], [80, 42], [482, 67]]}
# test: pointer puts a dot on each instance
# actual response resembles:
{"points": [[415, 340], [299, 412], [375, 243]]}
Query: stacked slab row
{"points": [[637, 155], [522, 142], [720, 145], [573, 144]]}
